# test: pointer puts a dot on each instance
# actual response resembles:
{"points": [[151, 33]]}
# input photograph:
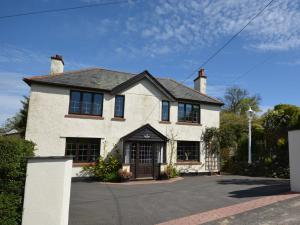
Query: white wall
{"points": [[48, 127], [294, 151], [47, 191]]}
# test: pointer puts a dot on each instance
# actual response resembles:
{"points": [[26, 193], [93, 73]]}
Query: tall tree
{"points": [[238, 100], [19, 121]]}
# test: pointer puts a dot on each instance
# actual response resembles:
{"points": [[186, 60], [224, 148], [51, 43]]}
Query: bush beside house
{"points": [[105, 169], [13, 154], [270, 154]]}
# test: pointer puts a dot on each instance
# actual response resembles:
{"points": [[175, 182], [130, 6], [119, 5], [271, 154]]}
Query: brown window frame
{"points": [[189, 144], [81, 99], [117, 116], [79, 141], [162, 112], [185, 116]]}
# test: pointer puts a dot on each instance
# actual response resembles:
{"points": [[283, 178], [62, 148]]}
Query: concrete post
{"points": [[249, 143], [47, 191], [294, 151]]}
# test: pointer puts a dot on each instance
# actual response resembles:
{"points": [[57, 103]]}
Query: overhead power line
{"points": [[255, 66], [228, 42], [66, 9], [220, 49]]}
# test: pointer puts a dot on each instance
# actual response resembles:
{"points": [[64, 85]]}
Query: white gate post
{"points": [[294, 151], [47, 191]]}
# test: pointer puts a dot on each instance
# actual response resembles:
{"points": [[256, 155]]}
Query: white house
{"points": [[150, 121]]}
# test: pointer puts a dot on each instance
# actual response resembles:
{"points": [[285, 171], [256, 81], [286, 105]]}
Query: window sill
{"points": [[118, 119], [188, 123], [188, 163], [83, 164], [165, 122], [84, 117]]}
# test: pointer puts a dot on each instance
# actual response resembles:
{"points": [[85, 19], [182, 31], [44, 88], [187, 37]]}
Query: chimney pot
{"points": [[200, 82], [201, 73], [57, 64]]}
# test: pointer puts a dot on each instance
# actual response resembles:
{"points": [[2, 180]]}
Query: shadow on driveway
{"points": [[263, 187]]}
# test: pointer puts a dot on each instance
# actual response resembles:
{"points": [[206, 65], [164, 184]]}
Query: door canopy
{"points": [[145, 133]]}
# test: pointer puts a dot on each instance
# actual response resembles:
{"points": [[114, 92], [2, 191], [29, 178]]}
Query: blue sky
{"points": [[169, 38]]}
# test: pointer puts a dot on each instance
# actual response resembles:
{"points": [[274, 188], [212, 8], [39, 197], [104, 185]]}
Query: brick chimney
{"points": [[57, 64], [200, 82]]}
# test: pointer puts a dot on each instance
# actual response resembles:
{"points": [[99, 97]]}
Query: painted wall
{"points": [[47, 191], [294, 151], [48, 127]]}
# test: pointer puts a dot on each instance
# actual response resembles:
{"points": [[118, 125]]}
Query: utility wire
{"points": [[220, 49], [229, 41], [66, 9], [251, 69]]}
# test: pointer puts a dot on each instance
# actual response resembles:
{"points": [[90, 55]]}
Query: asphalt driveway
{"points": [[94, 203]]}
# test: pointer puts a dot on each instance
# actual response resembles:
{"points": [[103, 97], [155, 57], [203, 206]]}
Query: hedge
{"points": [[13, 154]]}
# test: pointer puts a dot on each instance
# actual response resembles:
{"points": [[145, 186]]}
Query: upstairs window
{"points": [[165, 113], [188, 113], [119, 106], [88, 103], [83, 149]]}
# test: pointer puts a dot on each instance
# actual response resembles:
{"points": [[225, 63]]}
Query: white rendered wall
{"points": [[294, 151], [48, 127], [47, 191]]}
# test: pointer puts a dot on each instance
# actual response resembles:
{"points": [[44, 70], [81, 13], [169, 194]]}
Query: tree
{"points": [[238, 100], [19, 121]]}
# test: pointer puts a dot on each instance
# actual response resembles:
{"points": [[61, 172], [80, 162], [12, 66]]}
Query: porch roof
{"points": [[145, 133]]}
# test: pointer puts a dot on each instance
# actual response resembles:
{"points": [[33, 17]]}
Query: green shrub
{"points": [[13, 154], [104, 169], [111, 177], [10, 213], [171, 171]]}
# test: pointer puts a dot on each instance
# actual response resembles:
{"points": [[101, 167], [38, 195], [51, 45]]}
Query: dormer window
{"points": [[86, 103], [188, 113], [119, 106]]}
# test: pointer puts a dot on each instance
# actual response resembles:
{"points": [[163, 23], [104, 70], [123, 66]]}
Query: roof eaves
{"points": [[29, 82], [217, 101]]}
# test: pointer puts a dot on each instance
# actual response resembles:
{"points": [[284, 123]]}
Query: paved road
{"points": [[113, 204], [281, 213]]}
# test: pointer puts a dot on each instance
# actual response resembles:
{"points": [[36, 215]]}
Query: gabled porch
{"points": [[144, 150]]}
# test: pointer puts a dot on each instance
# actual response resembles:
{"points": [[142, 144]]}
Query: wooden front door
{"points": [[144, 160]]}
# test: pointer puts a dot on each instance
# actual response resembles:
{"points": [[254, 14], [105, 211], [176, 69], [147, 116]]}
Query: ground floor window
{"points": [[188, 151], [83, 149]]}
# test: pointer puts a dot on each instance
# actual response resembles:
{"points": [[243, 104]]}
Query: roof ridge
{"points": [[63, 73], [78, 71], [195, 90]]}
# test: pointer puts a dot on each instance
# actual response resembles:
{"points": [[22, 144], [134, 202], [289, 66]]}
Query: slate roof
{"points": [[107, 80]]}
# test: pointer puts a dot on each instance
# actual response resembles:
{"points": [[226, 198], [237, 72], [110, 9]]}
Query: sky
{"points": [[169, 38]]}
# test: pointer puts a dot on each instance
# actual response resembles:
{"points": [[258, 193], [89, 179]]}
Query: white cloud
{"points": [[189, 25], [216, 90], [11, 83], [264, 109], [10, 105], [13, 54]]}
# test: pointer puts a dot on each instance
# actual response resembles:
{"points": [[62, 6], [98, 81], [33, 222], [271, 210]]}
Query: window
{"points": [[88, 103], [119, 106], [188, 113], [83, 149], [188, 151], [165, 115]]}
